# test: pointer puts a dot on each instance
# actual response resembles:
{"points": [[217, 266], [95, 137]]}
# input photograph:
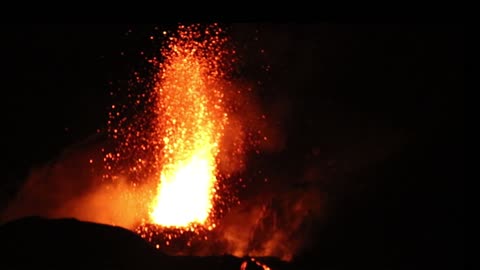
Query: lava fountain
{"points": [[181, 140], [190, 120]]}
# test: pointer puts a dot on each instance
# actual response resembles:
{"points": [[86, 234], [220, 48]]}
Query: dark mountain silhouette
{"points": [[69, 243]]}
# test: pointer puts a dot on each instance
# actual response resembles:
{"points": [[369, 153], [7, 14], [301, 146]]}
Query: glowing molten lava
{"points": [[191, 119]]}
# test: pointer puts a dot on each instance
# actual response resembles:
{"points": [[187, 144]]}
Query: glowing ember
{"points": [[244, 265], [264, 266], [191, 121]]}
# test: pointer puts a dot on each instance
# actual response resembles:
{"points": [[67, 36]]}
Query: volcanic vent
{"points": [[171, 149]]}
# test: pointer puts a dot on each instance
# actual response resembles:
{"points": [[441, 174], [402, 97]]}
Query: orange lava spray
{"points": [[191, 119]]}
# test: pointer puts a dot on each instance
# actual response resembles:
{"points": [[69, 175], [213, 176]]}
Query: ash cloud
{"points": [[274, 225], [72, 186]]}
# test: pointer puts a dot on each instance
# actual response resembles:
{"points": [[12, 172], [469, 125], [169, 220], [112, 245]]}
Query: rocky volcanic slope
{"points": [[69, 243]]}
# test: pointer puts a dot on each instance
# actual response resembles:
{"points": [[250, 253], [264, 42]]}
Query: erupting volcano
{"points": [[232, 146], [173, 144]]}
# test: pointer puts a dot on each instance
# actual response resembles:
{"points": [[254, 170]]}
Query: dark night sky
{"points": [[338, 80]]}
